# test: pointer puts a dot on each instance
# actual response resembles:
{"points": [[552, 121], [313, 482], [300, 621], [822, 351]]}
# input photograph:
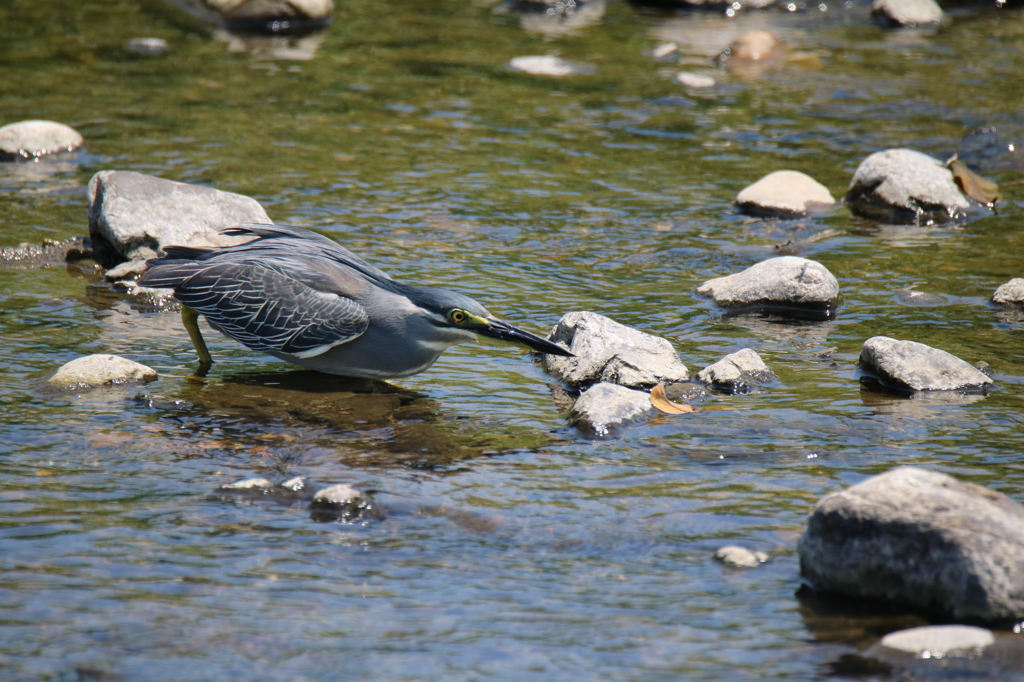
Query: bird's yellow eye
{"points": [[457, 316]]}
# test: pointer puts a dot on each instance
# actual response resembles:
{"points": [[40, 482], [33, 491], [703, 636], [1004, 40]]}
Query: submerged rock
{"points": [[604, 407], [694, 80], [248, 484], [784, 282], [921, 538], [737, 372], [32, 139], [140, 214], [754, 45], [129, 270], [906, 12], [339, 502], [740, 557], [147, 45], [607, 351], [784, 194], [904, 186], [101, 370], [938, 641], [266, 16], [909, 365], [548, 66], [1011, 293]]}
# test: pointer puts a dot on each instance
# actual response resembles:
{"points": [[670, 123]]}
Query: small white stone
{"points": [[740, 557], [294, 484], [101, 370], [939, 640], [1011, 292], [337, 495], [248, 484], [29, 139], [695, 80], [664, 50], [546, 66], [147, 45]]}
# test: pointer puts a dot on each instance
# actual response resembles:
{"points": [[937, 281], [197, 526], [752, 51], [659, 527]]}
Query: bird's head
{"points": [[462, 319]]}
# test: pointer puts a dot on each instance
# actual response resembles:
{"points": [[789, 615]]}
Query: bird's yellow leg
{"points": [[190, 318]]}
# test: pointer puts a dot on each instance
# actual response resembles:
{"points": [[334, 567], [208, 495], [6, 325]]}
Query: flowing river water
{"points": [[510, 545]]}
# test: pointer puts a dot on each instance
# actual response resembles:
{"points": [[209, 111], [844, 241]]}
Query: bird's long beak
{"points": [[496, 329]]}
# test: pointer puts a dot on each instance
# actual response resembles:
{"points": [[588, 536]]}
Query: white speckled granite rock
{"points": [[911, 365], [787, 280], [100, 370], [1010, 293], [904, 186]]}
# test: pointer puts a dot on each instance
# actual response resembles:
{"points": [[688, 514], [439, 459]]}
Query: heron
{"points": [[303, 298]]}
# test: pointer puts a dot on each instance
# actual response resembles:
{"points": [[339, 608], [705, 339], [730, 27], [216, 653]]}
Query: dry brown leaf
{"points": [[661, 402], [980, 189]]}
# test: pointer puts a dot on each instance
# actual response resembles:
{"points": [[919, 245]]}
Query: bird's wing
{"points": [[265, 309]]}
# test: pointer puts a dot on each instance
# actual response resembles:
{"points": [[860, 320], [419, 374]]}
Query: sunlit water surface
{"points": [[512, 545]]}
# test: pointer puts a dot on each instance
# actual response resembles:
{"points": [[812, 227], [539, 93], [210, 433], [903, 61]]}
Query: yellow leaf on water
{"points": [[980, 189], [661, 402]]}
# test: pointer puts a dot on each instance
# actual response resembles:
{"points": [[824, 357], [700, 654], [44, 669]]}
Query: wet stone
{"points": [[548, 66], [784, 194], [755, 45], [140, 214], [266, 16], [32, 139], [938, 641], [737, 372], [740, 557], [607, 351], [339, 503], [913, 366], [248, 484], [131, 269], [101, 370], [1011, 293], [147, 45], [906, 12], [920, 538], [906, 187], [694, 80], [784, 282], [605, 407]]}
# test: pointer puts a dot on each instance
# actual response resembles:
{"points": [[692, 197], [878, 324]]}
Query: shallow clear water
{"points": [[513, 546]]}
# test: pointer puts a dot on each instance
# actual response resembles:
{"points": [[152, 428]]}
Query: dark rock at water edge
{"points": [[920, 538], [910, 13], [1011, 293], [604, 407], [787, 283], [737, 372], [139, 215], [902, 186], [93, 371], [607, 351], [34, 139], [913, 366], [784, 194]]}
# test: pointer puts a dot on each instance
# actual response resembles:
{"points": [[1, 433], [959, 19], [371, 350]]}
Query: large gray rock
{"points": [[31, 139], [604, 407], [1011, 293], [904, 186], [608, 351], [140, 214], [737, 371], [907, 12], [920, 538], [784, 194], [909, 365], [787, 281], [100, 370]]}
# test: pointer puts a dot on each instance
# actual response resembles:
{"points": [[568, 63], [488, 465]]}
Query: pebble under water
{"points": [[501, 543]]}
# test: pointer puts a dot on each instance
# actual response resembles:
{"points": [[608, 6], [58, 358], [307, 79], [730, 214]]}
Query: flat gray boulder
{"points": [[921, 538], [1011, 293], [604, 407], [140, 214], [906, 12], [784, 194], [608, 351], [905, 187], [737, 371], [101, 370], [787, 281], [909, 365], [32, 139]]}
